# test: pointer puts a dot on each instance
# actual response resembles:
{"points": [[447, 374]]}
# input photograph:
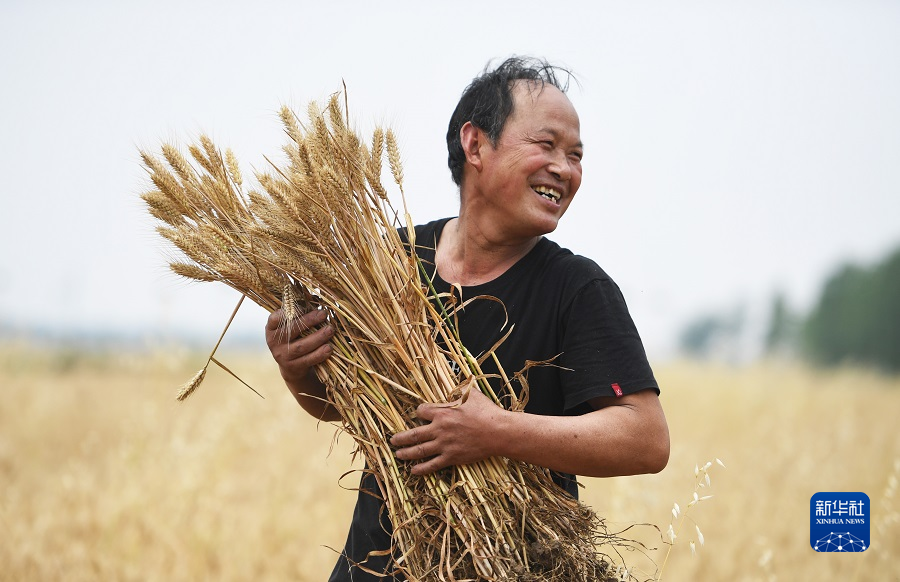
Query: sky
{"points": [[732, 149]]}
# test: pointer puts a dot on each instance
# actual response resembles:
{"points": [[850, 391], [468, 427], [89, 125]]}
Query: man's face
{"points": [[529, 178]]}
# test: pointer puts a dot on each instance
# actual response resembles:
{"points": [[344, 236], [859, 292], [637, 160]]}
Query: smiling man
{"points": [[515, 152]]}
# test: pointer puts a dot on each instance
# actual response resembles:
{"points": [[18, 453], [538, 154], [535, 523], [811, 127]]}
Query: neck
{"points": [[470, 253]]}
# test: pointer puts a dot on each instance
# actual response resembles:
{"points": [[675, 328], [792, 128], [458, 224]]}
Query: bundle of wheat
{"points": [[322, 234]]}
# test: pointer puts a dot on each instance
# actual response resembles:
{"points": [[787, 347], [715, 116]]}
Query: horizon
{"points": [[732, 152]]}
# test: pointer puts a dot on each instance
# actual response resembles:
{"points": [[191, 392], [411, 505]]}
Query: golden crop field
{"points": [[104, 476]]}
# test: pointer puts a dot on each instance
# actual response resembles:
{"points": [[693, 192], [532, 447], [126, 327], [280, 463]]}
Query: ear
{"points": [[472, 140]]}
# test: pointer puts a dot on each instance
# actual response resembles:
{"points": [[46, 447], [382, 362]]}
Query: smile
{"points": [[548, 193]]}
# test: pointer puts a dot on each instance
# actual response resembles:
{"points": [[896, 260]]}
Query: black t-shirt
{"points": [[564, 308]]}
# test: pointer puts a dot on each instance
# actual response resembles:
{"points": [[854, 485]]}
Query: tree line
{"points": [[857, 317], [856, 320]]}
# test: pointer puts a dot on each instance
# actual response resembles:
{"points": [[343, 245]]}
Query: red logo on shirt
{"points": [[617, 389]]}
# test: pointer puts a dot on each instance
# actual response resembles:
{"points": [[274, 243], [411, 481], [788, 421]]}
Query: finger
{"points": [[298, 367], [413, 436], [316, 356], [292, 331], [302, 324], [313, 318], [415, 452], [419, 452], [429, 466], [405, 438], [428, 410], [307, 320], [306, 346], [275, 319]]}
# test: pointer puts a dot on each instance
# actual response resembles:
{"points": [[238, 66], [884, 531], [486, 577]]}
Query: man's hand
{"points": [[297, 354], [458, 433]]}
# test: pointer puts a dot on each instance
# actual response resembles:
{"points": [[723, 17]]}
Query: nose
{"points": [[559, 166]]}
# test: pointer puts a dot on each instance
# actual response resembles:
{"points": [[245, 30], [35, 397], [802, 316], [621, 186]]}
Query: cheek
{"points": [[575, 180]]}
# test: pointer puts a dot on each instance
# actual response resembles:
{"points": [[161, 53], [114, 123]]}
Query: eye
{"points": [[576, 156]]}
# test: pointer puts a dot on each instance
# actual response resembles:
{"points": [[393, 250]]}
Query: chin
{"points": [[550, 223], [546, 227]]}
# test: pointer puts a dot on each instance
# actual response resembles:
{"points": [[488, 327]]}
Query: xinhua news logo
{"points": [[839, 522]]}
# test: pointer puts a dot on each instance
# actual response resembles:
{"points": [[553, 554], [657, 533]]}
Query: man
{"points": [[515, 152]]}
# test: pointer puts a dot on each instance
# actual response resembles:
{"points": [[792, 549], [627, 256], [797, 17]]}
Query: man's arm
{"points": [[622, 436], [297, 354]]}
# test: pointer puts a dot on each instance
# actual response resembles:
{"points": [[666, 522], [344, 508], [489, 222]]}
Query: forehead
{"points": [[540, 106]]}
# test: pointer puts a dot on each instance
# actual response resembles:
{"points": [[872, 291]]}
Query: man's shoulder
{"points": [[426, 234], [433, 228], [565, 265]]}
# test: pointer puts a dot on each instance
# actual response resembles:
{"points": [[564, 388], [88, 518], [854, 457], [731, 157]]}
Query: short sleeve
{"points": [[602, 352]]}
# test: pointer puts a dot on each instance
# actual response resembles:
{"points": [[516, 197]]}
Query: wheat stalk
{"points": [[322, 233]]}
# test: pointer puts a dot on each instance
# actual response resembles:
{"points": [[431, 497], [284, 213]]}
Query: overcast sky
{"points": [[732, 149]]}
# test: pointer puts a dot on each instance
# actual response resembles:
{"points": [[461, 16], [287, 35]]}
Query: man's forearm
{"points": [[627, 439], [311, 395], [623, 436]]}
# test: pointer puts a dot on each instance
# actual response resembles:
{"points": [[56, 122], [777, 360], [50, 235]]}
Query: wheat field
{"points": [[104, 476]]}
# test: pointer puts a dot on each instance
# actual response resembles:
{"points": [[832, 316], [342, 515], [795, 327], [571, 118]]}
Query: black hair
{"points": [[488, 102]]}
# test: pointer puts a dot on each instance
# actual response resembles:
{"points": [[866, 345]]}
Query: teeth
{"points": [[548, 193]]}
